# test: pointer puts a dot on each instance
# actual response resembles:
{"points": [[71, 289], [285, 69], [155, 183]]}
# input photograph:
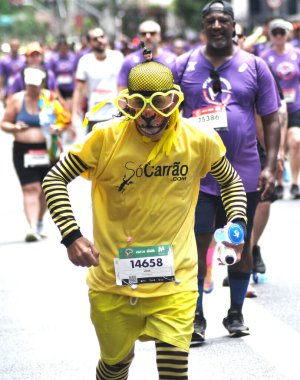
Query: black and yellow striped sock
{"points": [[172, 362], [117, 371]]}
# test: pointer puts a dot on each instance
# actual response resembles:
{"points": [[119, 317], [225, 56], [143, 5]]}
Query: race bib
{"points": [[35, 158], [142, 265], [289, 95], [10, 81], [64, 79], [212, 116]]}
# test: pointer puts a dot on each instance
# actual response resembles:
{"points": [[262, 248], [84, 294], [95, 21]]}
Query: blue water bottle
{"points": [[232, 233]]}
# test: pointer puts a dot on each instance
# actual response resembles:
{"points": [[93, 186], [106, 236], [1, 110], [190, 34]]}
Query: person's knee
{"points": [[116, 371], [32, 188]]}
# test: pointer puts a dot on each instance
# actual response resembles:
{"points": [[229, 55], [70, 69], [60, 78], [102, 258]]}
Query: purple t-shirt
{"points": [[295, 42], [83, 52], [19, 85], [64, 70], [165, 57], [287, 69], [10, 66], [247, 84], [259, 48]]}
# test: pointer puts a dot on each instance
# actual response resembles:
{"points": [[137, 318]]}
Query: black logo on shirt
{"points": [[176, 172]]}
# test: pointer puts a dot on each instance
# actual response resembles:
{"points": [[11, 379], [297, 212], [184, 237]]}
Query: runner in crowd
{"points": [[10, 65], [284, 59], [96, 80], [259, 40], [208, 285], [150, 35], [295, 40], [32, 158], [63, 63], [143, 261], [262, 212], [223, 86], [34, 58]]}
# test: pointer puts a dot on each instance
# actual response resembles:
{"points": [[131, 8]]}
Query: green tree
{"points": [[5, 7], [190, 12], [24, 25]]}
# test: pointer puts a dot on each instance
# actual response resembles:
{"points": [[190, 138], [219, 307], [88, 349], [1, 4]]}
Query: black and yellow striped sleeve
{"points": [[232, 190], [57, 197]]}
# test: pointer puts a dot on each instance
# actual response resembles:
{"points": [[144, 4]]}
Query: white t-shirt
{"points": [[101, 78]]}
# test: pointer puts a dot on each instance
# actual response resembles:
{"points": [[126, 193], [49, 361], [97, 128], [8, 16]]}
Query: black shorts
{"points": [[294, 119], [29, 174], [210, 213], [66, 94]]}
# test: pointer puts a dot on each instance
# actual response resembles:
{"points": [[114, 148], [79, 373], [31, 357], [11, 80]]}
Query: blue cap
{"points": [[235, 233]]}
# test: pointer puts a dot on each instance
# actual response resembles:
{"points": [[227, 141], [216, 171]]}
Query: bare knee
{"points": [[32, 189]]}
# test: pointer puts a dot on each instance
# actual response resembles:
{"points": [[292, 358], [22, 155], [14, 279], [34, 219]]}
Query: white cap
{"points": [[34, 76], [279, 23]]}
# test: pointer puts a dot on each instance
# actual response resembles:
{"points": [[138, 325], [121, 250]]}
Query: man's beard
{"points": [[99, 49]]}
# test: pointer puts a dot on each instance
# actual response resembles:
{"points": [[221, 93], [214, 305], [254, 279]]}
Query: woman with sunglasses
{"points": [[145, 168], [284, 59]]}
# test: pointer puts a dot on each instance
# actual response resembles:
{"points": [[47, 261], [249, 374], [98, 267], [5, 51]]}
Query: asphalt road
{"points": [[45, 331]]}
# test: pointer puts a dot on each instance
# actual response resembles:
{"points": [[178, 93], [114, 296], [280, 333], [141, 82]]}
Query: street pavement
{"points": [[45, 331]]}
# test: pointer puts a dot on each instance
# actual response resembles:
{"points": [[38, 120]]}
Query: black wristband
{"points": [[71, 237]]}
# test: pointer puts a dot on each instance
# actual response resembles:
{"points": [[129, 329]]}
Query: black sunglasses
{"points": [[216, 83], [239, 36], [145, 33], [277, 31]]}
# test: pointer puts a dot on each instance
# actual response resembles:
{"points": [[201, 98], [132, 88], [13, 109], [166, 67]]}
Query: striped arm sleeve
{"points": [[57, 197], [232, 190]]}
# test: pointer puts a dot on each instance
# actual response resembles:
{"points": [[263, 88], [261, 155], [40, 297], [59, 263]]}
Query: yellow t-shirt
{"points": [[137, 205]]}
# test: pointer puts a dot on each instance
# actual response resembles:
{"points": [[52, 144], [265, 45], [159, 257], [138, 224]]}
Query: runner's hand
{"points": [[266, 183], [83, 253], [21, 126]]}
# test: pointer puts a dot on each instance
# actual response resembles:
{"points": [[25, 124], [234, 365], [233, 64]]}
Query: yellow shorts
{"points": [[119, 322]]}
